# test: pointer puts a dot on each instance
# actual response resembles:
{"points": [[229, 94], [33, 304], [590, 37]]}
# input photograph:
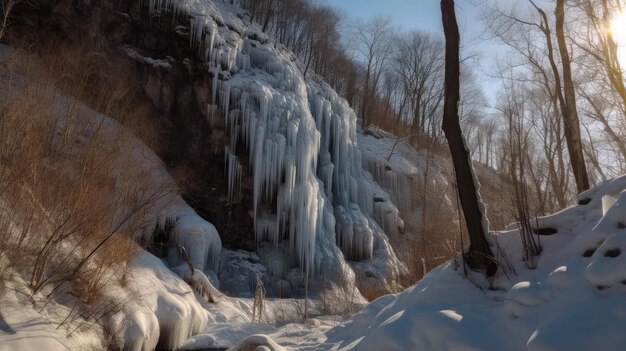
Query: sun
{"points": [[617, 28]]}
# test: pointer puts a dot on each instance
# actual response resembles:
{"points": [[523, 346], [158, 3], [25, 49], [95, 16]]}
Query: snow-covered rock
{"points": [[257, 342], [167, 312], [239, 270]]}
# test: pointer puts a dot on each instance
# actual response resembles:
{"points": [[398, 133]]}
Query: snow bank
{"points": [[257, 342], [26, 327], [161, 310], [574, 300]]}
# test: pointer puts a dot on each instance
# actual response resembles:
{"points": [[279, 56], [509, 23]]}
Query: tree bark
{"points": [[366, 90], [479, 254], [571, 120]]}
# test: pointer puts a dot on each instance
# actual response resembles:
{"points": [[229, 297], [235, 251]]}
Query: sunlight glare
{"points": [[618, 31]]}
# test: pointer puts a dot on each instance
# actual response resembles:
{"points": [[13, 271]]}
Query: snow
{"points": [[257, 342], [157, 307], [569, 302], [608, 266], [572, 300], [27, 327], [199, 282], [167, 312]]}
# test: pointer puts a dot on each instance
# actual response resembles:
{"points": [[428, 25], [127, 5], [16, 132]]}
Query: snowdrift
{"points": [[574, 300]]}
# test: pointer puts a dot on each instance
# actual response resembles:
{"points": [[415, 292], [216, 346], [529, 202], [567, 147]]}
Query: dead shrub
{"points": [[372, 291], [74, 188], [338, 293], [104, 83]]}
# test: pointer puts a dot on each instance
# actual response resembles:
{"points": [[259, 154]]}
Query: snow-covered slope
{"points": [[574, 300], [405, 174]]}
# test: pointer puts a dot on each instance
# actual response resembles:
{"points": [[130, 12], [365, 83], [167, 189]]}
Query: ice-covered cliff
{"points": [[313, 203]]}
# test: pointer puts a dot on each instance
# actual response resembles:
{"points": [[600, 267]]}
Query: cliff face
{"points": [[270, 156], [174, 81]]}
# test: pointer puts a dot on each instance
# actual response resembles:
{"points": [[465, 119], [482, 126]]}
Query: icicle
{"points": [[234, 176]]}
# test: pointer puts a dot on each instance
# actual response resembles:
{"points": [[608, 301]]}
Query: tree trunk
{"points": [[479, 254], [571, 120], [268, 16], [365, 102]]}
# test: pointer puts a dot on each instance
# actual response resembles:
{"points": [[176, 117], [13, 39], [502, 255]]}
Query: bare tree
{"points": [[418, 64], [604, 90], [371, 40], [479, 254], [570, 113], [538, 67], [7, 7], [519, 172]]}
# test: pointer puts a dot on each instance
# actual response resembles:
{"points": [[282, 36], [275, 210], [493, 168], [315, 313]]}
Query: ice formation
{"points": [[310, 192], [395, 182], [167, 312], [199, 238], [399, 177], [233, 172]]}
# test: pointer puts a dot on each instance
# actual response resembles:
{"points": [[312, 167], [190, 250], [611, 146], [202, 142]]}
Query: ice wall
{"points": [[311, 196]]}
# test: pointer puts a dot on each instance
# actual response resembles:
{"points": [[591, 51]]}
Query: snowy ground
{"points": [[574, 300]]}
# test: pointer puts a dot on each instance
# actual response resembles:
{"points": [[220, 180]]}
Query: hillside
{"points": [[174, 178]]}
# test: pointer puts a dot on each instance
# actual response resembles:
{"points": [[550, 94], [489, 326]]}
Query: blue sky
{"points": [[418, 14], [425, 15], [421, 14]]}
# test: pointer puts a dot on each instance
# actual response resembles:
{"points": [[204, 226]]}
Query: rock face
{"points": [[174, 81], [271, 155], [181, 91]]}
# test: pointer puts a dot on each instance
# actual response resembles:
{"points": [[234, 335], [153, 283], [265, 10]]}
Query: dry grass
{"points": [[441, 235], [338, 293], [73, 188], [371, 292], [103, 82]]}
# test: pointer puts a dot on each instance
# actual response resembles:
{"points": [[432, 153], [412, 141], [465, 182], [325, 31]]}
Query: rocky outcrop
{"points": [[175, 82]]}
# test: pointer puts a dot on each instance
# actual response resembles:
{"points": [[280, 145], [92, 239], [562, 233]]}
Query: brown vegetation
{"points": [[74, 189]]}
